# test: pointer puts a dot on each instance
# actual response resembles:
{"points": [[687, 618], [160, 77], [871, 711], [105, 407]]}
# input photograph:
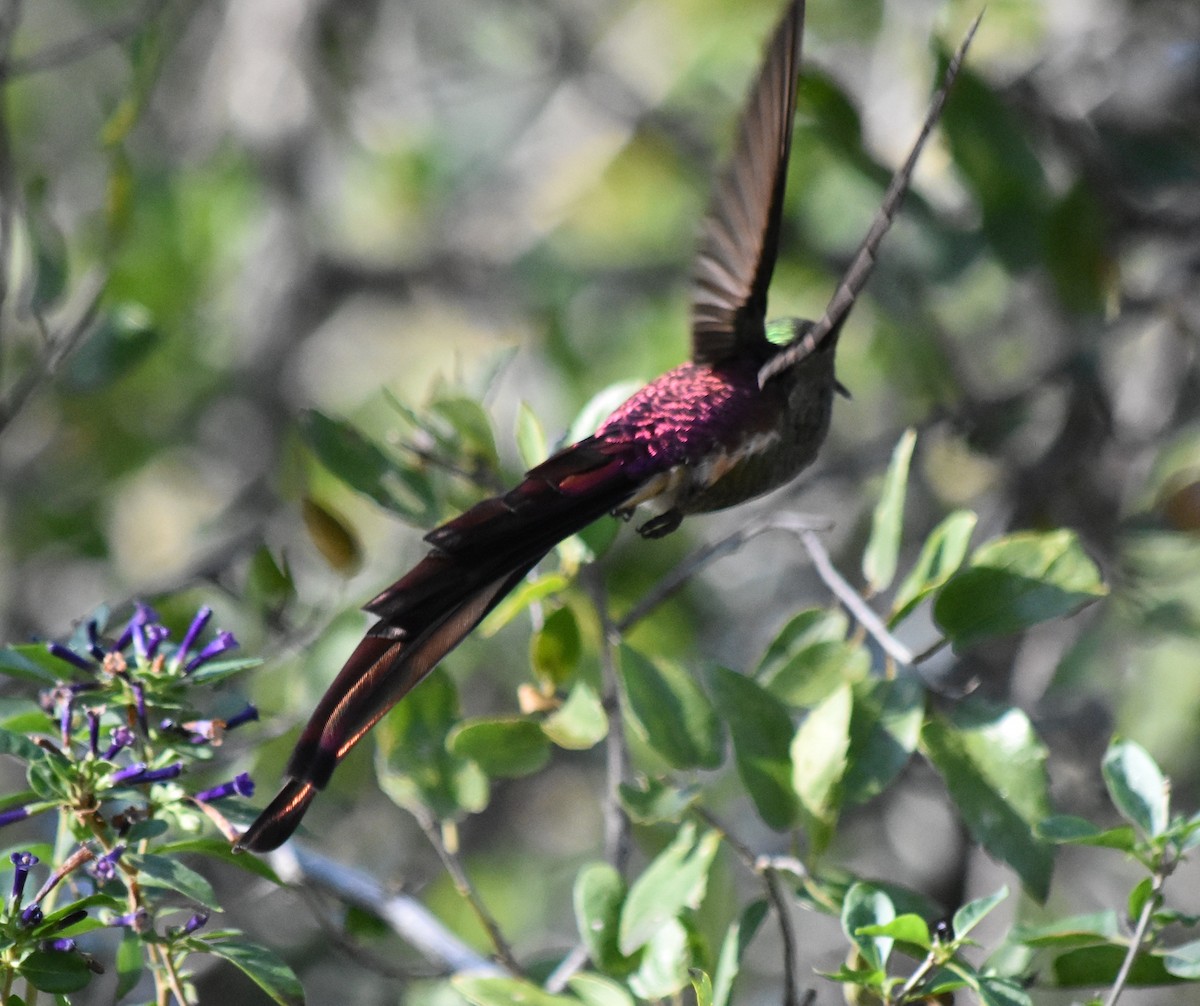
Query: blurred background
{"points": [[219, 215]]}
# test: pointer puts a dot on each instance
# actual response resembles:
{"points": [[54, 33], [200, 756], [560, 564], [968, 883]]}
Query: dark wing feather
{"points": [[740, 235], [855, 277]]}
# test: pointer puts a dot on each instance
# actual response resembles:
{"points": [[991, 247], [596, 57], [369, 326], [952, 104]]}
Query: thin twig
{"points": [[765, 868], [617, 838], [853, 601], [1139, 934], [467, 891], [407, 917], [569, 966], [670, 584]]}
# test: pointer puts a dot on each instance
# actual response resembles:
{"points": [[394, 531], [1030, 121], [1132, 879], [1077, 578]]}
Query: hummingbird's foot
{"points": [[661, 525]]}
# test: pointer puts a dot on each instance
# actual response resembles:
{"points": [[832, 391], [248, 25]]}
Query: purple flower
{"points": [[192, 924], [137, 920], [122, 737], [60, 945], [13, 815], [105, 868], [143, 615], [32, 916], [240, 785], [223, 641], [247, 715], [138, 775], [193, 632], [64, 721], [139, 698], [22, 861], [93, 722], [94, 647], [70, 656], [72, 863]]}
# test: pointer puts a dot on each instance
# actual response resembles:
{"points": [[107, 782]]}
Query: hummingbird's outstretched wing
{"points": [[740, 235], [855, 277]]}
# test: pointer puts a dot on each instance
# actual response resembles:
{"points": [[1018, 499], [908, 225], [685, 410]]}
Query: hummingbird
{"points": [[745, 415]]}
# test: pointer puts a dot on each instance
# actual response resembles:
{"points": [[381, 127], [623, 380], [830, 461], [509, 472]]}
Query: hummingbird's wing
{"points": [[855, 277], [740, 234]]}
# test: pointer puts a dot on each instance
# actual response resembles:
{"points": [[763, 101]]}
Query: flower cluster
{"points": [[119, 745]]}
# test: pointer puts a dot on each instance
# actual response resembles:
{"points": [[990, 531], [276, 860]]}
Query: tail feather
{"points": [[476, 560]]}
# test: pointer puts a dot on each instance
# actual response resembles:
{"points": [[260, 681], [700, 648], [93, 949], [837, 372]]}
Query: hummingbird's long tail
{"points": [[476, 559]]}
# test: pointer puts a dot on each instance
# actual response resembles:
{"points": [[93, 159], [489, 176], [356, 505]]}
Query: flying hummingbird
{"points": [[745, 415]]}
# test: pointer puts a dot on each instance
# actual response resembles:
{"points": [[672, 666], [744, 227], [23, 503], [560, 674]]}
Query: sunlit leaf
{"points": [[883, 547], [670, 711]]}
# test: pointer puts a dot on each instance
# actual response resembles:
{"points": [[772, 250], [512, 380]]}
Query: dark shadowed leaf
{"points": [[55, 971], [503, 747], [556, 647], [670, 711], [885, 726], [762, 734], [993, 764]]}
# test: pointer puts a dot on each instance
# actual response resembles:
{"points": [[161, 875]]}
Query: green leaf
{"points": [[527, 592], [670, 711], [531, 437], [173, 875], [885, 726], [1089, 967], [596, 990], [260, 965], [580, 723], [55, 971], [365, 468], [810, 657], [883, 547], [1064, 829], [818, 754], [599, 895], [653, 801], [130, 964], [556, 647], [674, 880], [762, 734], [665, 959], [1183, 961], [1137, 787], [733, 948], [993, 764], [507, 992], [20, 747], [866, 905], [1076, 251], [996, 991], [941, 555], [1070, 932], [909, 929], [413, 764], [813, 625], [973, 912], [471, 423], [1016, 582], [18, 662], [219, 848], [504, 748], [702, 986]]}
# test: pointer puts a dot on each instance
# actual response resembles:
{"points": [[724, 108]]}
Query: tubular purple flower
{"points": [[240, 785], [122, 737], [193, 632], [137, 920], [138, 632], [105, 868], [155, 635], [192, 924], [139, 698], [94, 647], [93, 722], [23, 862], [223, 641], [64, 721], [129, 772], [247, 715], [143, 615], [31, 916], [13, 815], [143, 775], [70, 656], [60, 945], [72, 863]]}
